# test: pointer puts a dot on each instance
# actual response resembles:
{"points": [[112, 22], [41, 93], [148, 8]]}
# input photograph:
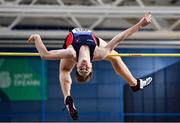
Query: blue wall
{"points": [[158, 102], [106, 97]]}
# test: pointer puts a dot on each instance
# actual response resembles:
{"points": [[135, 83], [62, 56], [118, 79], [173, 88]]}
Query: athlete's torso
{"points": [[78, 37]]}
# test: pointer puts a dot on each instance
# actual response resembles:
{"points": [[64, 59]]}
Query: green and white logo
{"points": [[21, 78], [5, 80]]}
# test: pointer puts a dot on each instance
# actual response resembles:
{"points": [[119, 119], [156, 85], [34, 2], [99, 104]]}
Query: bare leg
{"points": [[119, 66], [121, 69], [146, 19]]}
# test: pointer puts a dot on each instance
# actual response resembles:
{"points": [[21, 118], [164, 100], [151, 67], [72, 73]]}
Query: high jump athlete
{"points": [[81, 48]]}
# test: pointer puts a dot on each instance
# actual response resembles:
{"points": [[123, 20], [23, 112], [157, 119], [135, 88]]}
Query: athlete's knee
{"points": [[114, 59]]}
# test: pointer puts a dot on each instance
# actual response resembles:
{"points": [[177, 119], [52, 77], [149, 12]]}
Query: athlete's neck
{"points": [[84, 53]]}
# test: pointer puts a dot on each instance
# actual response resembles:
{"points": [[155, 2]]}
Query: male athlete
{"points": [[82, 47]]}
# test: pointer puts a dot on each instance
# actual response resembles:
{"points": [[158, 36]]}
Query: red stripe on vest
{"points": [[94, 37], [69, 39]]}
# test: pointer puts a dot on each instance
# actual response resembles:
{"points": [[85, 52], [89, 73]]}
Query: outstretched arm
{"points": [[49, 55], [123, 35], [65, 69]]}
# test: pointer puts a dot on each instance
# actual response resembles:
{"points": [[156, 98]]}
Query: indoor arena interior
{"points": [[39, 60]]}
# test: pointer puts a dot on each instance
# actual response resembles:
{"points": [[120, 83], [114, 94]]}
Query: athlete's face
{"points": [[84, 67]]}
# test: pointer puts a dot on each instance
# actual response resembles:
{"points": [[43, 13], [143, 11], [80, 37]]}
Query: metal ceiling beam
{"points": [[154, 21], [93, 2], [168, 35], [86, 10], [174, 25], [97, 11], [60, 2], [117, 2]]}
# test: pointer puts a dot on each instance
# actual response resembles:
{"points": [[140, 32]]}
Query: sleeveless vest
{"points": [[78, 37]]}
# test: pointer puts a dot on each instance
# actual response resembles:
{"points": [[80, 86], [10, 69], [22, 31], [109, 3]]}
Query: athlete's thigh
{"points": [[102, 43], [109, 58]]}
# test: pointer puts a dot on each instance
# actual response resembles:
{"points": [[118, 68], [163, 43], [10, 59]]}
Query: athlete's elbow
{"points": [[44, 56]]}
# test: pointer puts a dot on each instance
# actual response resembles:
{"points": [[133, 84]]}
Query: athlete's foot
{"points": [[71, 108], [141, 84]]}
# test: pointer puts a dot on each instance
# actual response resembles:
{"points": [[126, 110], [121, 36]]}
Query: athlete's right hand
{"points": [[32, 38]]}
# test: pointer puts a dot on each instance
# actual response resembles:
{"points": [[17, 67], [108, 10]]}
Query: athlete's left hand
{"points": [[146, 19]]}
